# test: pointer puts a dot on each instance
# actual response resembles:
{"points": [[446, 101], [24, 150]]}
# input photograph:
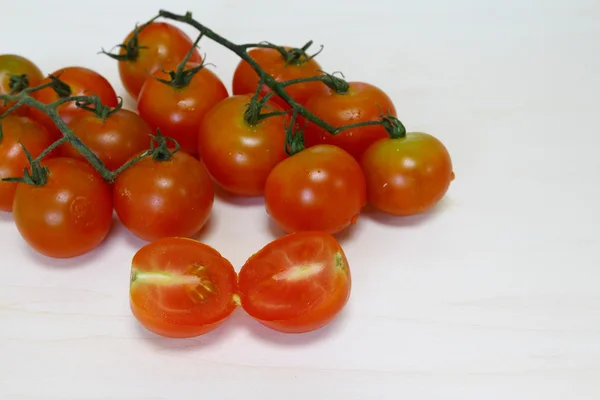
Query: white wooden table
{"points": [[494, 295]]}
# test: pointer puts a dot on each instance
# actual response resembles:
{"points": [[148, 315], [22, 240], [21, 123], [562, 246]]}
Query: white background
{"points": [[494, 295]]}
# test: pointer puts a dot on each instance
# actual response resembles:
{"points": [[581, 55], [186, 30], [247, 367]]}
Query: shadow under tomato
{"points": [[6, 216], [275, 230], [241, 201], [261, 332], [411, 220]]}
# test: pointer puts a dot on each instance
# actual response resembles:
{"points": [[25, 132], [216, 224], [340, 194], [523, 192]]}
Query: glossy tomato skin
{"points": [[114, 140], [68, 216], [13, 161], [361, 103], [181, 288], [407, 176], [245, 79], [297, 283], [156, 199], [179, 112], [321, 188], [240, 156], [160, 44], [82, 82], [13, 64]]}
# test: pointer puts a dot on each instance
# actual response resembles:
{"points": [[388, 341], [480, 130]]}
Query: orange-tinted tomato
{"points": [[361, 103], [240, 156], [407, 176], [114, 140], [245, 79], [13, 161], [68, 216], [82, 82], [178, 112], [156, 199], [12, 64], [321, 188], [297, 283], [181, 288], [159, 44]]}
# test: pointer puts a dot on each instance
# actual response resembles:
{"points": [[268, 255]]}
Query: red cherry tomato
{"points": [[297, 283], [181, 288], [13, 161], [245, 79], [114, 140], [68, 216], [408, 175], [361, 103], [156, 199], [321, 188], [158, 44], [15, 65], [178, 112], [82, 82], [240, 156]]}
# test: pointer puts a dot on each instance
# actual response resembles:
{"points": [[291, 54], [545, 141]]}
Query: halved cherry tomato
{"points": [[240, 156], [82, 82], [158, 44], [156, 198], [407, 175], [12, 65], [178, 112], [297, 283], [68, 216], [114, 140], [181, 288], [13, 161], [245, 79], [321, 188], [361, 103]]}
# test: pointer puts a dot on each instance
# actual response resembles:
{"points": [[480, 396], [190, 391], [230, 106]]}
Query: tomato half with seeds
{"points": [[69, 215], [181, 288], [245, 79], [34, 137], [14, 66], [240, 155], [158, 198], [81, 82], [158, 44], [407, 175], [321, 188], [114, 140], [178, 111], [297, 283], [362, 102]]}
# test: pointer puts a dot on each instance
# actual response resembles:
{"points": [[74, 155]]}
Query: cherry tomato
{"points": [[13, 161], [156, 199], [68, 216], [114, 140], [181, 288], [177, 112], [297, 283], [321, 188], [239, 156], [82, 82], [245, 79], [408, 175], [15, 65], [158, 44], [361, 103]]}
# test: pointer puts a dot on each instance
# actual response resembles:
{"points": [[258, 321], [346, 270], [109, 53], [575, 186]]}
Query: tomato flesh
{"points": [[297, 283], [12, 64], [181, 288]]}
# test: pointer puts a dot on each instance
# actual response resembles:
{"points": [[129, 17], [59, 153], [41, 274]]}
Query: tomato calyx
{"points": [[338, 85], [17, 83], [181, 77], [131, 47], [253, 114], [99, 109], [159, 148], [61, 88], [294, 142], [393, 126], [298, 56], [38, 176]]}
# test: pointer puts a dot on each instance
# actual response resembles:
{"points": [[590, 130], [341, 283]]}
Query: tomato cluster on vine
{"points": [[317, 148]]}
